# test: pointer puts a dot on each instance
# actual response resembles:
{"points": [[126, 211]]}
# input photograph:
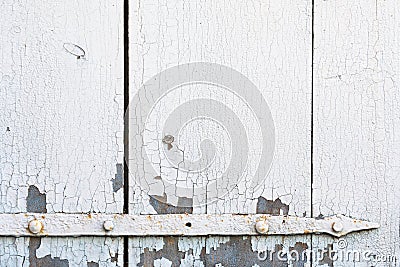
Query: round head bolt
{"points": [[337, 227], [35, 226], [262, 227], [108, 225]]}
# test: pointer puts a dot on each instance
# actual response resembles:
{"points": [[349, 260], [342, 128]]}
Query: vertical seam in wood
{"points": [[126, 124], [312, 124]]}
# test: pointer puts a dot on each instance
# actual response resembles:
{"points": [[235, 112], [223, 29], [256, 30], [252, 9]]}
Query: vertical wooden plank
{"points": [[61, 122], [267, 42], [356, 111]]}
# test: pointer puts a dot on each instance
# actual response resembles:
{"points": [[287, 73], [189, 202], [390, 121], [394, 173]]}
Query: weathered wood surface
{"points": [[61, 123], [62, 107], [270, 44], [356, 123]]}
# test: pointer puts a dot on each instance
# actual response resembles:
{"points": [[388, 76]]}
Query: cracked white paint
{"points": [[137, 246], [270, 43], [79, 251], [163, 262], [278, 61], [356, 120], [281, 69], [14, 251], [61, 117], [196, 245]]}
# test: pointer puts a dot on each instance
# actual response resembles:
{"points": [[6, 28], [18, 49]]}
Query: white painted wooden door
{"points": [[232, 107]]}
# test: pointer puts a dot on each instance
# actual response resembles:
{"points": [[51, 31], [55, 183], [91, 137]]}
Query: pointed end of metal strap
{"points": [[341, 225]]}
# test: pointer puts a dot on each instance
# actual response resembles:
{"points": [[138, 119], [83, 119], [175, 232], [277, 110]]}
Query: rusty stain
{"points": [[276, 207], [35, 201]]}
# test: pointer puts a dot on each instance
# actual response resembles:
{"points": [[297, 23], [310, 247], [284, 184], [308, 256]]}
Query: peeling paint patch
{"points": [[35, 201], [92, 264], [34, 244], [118, 181], [238, 252], [234, 251], [170, 252], [265, 206], [185, 205], [326, 258], [300, 248]]}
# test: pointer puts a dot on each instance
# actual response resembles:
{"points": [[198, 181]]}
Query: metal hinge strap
{"points": [[62, 224]]}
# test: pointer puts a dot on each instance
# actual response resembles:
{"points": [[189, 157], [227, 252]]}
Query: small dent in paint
{"points": [[35, 201], [75, 50], [276, 207]]}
